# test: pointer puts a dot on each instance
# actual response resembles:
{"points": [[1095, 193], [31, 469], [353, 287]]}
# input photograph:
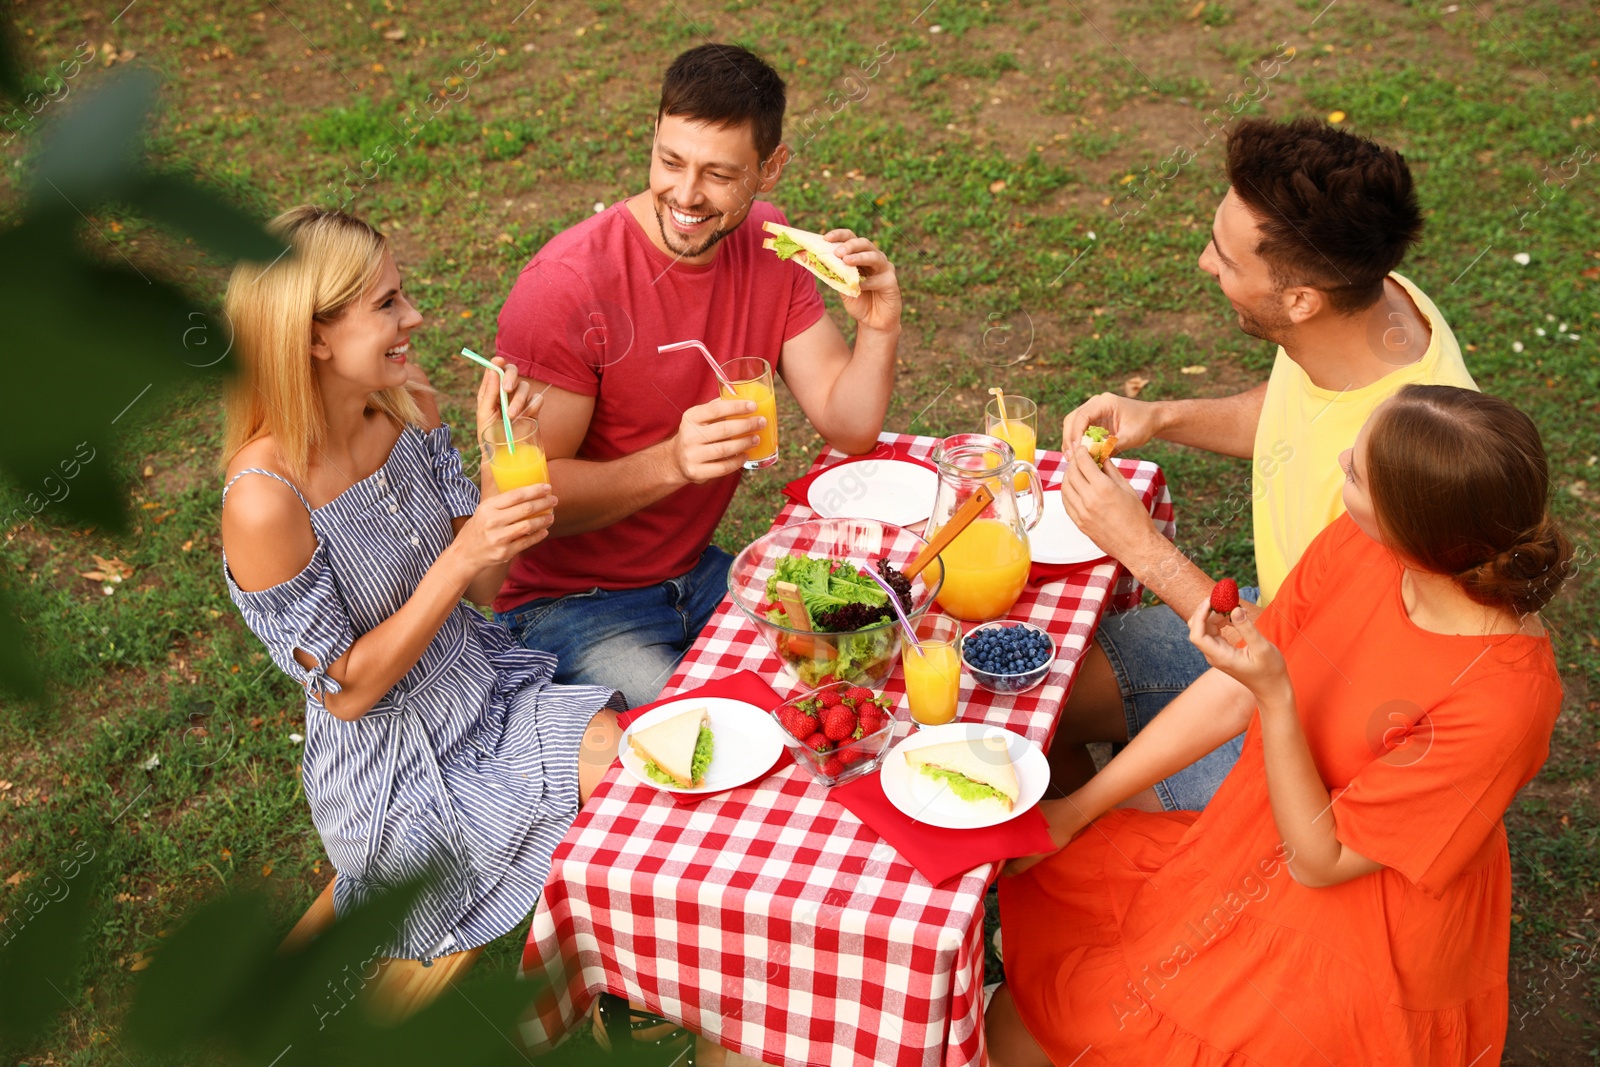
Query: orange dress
{"points": [[1181, 938]]}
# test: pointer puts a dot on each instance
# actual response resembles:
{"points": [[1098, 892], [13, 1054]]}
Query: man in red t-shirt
{"points": [[643, 456]]}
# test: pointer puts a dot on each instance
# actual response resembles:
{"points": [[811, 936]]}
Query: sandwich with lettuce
{"points": [[815, 253], [1101, 443], [676, 751], [977, 771]]}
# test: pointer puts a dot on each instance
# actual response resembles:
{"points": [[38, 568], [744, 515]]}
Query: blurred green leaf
{"points": [[19, 676], [88, 342], [46, 944], [92, 152], [208, 217], [10, 61]]}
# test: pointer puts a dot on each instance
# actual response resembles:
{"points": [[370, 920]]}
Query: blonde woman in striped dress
{"points": [[351, 537]]}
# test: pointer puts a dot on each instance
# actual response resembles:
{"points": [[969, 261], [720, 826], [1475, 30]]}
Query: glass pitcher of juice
{"points": [[986, 566]]}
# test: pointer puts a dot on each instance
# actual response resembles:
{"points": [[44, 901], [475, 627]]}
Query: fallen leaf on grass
{"points": [[266, 870], [997, 185], [1198, 368], [19, 878], [396, 34], [1194, 12], [108, 570], [1134, 386]]}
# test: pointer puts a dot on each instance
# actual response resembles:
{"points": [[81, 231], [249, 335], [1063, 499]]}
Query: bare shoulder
{"points": [[266, 531], [423, 393]]}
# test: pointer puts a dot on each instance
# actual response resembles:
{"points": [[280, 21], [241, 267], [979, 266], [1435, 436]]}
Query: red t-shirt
{"points": [[586, 315]]}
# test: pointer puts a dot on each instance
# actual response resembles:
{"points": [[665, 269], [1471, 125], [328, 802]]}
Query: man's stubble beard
{"points": [[1277, 329], [705, 246]]}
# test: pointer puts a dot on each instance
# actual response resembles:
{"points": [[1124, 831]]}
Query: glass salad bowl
{"points": [[863, 656]]}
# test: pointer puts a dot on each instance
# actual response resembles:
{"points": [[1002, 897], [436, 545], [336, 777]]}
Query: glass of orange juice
{"points": [[933, 675], [1019, 428], [523, 463], [751, 378]]}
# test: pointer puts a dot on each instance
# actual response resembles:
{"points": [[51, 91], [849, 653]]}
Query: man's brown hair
{"points": [[1461, 486], [726, 85], [1337, 212]]}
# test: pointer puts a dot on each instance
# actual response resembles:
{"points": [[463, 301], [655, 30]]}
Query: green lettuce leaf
{"points": [[962, 786], [785, 246], [658, 774], [821, 587], [702, 755]]}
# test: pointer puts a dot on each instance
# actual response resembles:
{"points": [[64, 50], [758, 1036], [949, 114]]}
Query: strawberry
{"points": [[806, 724], [1225, 596], [872, 720], [838, 723], [828, 679], [818, 743], [800, 722], [830, 699], [834, 766], [860, 695]]}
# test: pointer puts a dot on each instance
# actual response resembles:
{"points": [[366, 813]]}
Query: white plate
{"points": [[928, 800], [889, 490], [1057, 538], [747, 742]]}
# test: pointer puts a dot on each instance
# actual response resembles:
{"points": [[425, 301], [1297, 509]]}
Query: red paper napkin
{"points": [[942, 855], [799, 490], [746, 686]]}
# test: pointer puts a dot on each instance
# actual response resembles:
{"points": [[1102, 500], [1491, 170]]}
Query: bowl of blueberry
{"points": [[1007, 657]]}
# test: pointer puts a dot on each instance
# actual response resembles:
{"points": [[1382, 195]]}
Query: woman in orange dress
{"points": [[1346, 896]]}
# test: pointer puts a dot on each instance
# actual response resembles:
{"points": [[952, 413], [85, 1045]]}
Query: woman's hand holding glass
{"points": [[506, 524]]}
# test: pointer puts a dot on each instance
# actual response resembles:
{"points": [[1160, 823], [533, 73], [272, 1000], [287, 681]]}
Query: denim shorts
{"points": [[1153, 661], [625, 639]]}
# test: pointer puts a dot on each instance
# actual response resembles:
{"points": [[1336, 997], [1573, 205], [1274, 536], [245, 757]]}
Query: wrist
{"points": [[1163, 416], [670, 469], [1275, 698], [457, 569]]}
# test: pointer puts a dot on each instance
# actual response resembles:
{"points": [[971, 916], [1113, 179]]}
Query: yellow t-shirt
{"points": [[1296, 484]]}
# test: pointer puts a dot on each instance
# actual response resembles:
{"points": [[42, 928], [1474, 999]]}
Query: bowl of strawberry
{"points": [[837, 731]]}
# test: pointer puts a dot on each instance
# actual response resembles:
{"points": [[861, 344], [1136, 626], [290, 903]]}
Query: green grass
{"points": [[274, 112]]}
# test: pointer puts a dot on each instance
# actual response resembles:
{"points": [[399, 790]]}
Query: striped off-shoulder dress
{"points": [[470, 763]]}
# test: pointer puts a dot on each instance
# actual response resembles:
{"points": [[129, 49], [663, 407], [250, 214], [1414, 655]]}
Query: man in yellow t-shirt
{"points": [[1304, 246]]}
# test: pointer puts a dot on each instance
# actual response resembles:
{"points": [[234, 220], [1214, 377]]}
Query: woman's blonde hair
{"points": [[334, 260]]}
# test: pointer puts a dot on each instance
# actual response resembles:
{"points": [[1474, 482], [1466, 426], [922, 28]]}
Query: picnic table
{"points": [[769, 918]]}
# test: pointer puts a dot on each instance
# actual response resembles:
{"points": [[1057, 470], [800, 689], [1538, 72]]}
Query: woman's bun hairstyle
{"points": [[1461, 486]]}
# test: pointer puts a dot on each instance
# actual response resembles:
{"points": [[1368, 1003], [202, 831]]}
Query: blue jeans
{"points": [[625, 639], [1153, 660]]}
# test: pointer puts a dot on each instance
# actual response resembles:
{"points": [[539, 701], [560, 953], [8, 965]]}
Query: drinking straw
{"points": [[715, 367], [894, 602], [1005, 426], [505, 411]]}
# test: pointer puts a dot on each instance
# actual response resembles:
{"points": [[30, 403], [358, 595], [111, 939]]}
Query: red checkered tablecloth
{"points": [[768, 918]]}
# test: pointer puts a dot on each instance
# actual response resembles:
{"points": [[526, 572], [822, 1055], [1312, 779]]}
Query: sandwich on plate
{"points": [[676, 751], [1101, 443], [815, 253], [975, 770]]}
